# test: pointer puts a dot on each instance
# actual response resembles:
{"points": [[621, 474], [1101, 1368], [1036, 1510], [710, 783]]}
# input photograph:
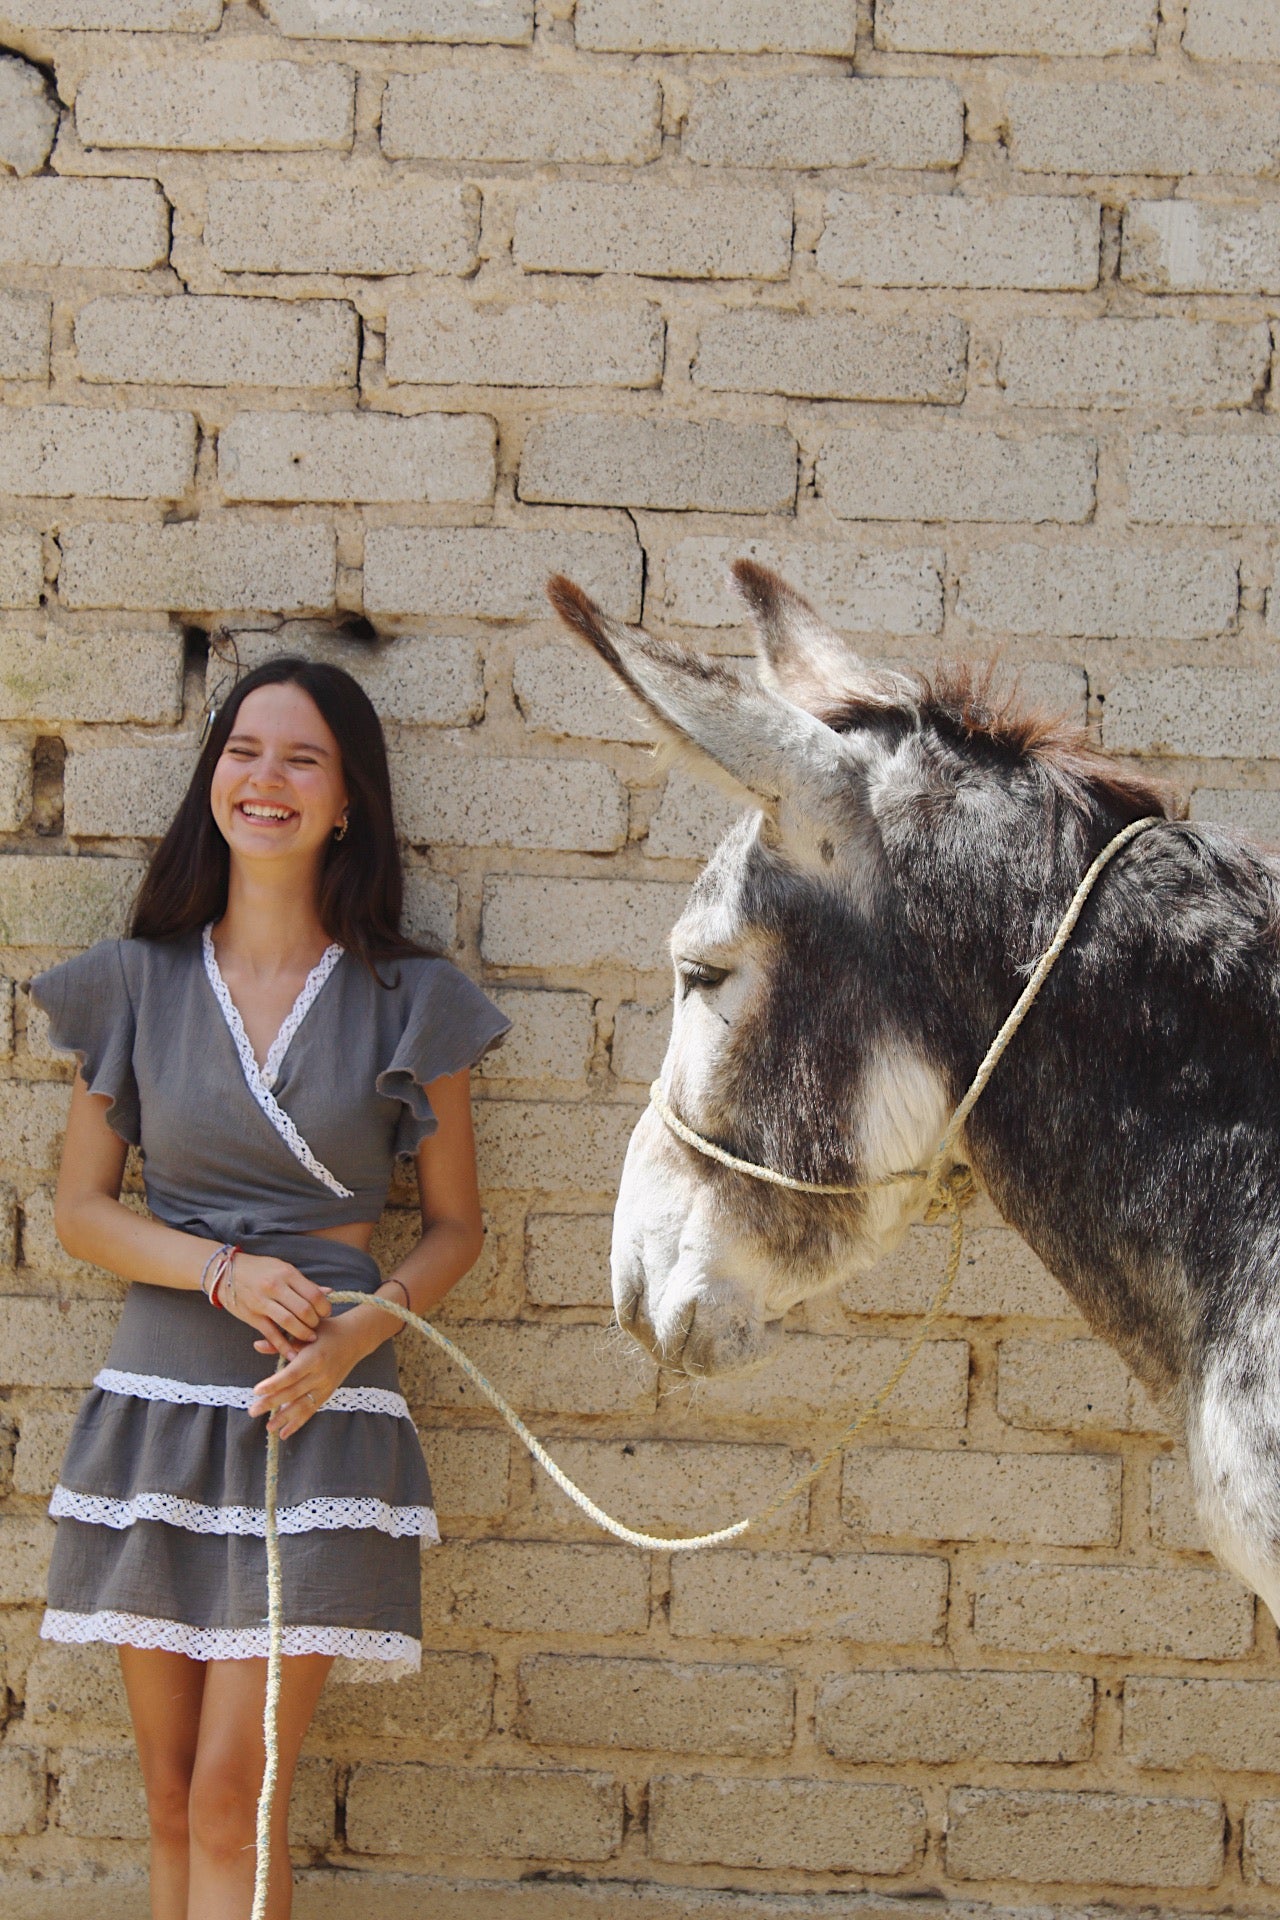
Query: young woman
{"points": [[271, 1040]]}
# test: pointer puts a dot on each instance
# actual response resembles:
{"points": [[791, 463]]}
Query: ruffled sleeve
{"points": [[449, 1025], [91, 1014]]}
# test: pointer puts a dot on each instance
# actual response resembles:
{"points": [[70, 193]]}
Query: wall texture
{"points": [[964, 312]]}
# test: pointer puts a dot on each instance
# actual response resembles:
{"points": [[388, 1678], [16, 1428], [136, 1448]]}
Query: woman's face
{"points": [[278, 788]]}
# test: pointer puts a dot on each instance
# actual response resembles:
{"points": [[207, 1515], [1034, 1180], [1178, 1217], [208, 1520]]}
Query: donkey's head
{"points": [[810, 1033]]}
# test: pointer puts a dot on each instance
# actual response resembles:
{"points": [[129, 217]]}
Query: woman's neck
{"points": [[272, 922]]}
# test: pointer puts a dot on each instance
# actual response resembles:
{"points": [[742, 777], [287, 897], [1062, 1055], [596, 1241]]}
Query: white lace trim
{"points": [[363, 1646], [323, 1514], [261, 1079], [195, 1393]]}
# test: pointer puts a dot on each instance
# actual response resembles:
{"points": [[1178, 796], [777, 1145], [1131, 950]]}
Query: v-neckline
{"points": [[268, 1070]]}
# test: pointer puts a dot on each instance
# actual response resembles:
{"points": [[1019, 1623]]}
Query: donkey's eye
{"points": [[693, 973]]}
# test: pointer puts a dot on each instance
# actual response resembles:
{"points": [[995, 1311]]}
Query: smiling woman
{"points": [[271, 1040]]}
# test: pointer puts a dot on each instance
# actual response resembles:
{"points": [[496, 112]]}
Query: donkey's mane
{"points": [[968, 706]]}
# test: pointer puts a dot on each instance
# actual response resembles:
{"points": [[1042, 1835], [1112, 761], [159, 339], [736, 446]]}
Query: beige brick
{"points": [[43, 1433], [954, 473], [25, 1545], [449, 1698], [552, 1035], [127, 16], [793, 120], [586, 459], [83, 223], [47, 1343], [716, 26], [832, 356], [1233, 1724], [433, 457], [1174, 1521], [822, 1826], [479, 113], [453, 341], [101, 1795], [15, 784], [545, 1146], [1229, 713], [23, 1790], [138, 453], [885, 1599], [954, 240], [1215, 480], [495, 573], [712, 232], [529, 1586], [505, 22], [1262, 1842], [640, 1036], [82, 671], [125, 790], [1098, 1838], [1011, 1717], [416, 679], [470, 1474], [546, 1370], [72, 1686], [1132, 363], [578, 923], [1053, 1499], [675, 1486], [1105, 592], [1017, 26], [999, 1274], [430, 908], [895, 591], [1255, 813], [459, 799], [24, 336], [51, 902], [567, 1259], [413, 225], [1071, 1385], [691, 819], [814, 1377], [505, 1813], [1184, 246], [1177, 1612], [40, 1249], [28, 116], [658, 1706], [1233, 30], [1110, 127], [21, 567], [220, 561], [210, 104], [566, 690], [216, 340]]}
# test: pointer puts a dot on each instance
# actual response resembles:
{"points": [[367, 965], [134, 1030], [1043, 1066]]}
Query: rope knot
{"points": [[952, 1193]]}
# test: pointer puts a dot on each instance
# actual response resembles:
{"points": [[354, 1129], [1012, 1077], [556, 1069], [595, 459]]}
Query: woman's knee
{"points": [[223, 1805], [168, 1800]]}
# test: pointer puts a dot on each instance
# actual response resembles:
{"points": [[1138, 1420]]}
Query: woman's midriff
{"points": [[357, 1233]]}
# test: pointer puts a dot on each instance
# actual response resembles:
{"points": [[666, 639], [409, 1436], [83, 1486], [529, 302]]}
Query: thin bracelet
{"points": [[210, 1291], [392, 1281], [227, 1277]]}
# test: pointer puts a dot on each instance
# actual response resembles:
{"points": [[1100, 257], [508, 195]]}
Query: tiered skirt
{"points": [[160, 1539]]}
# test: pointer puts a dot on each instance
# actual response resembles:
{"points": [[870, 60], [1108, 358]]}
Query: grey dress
{"points": [[160, 1503]]}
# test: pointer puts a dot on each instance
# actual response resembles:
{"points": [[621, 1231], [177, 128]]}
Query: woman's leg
{"points": [[228, 1773], [164, 1692]]}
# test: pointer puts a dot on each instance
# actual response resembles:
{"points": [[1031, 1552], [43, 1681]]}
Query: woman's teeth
{"points": [[252, 812]]}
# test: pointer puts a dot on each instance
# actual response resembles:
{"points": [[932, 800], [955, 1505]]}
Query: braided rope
{"points": [[949, 1188]]}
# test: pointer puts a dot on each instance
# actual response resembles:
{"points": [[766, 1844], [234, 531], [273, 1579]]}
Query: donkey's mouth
{"points": [[704, 1337]]}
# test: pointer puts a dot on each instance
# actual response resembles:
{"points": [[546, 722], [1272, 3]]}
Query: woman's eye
{"points": [[695, 974]]}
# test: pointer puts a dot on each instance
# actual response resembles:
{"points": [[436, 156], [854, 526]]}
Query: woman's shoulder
{"points": [[153, 962]]}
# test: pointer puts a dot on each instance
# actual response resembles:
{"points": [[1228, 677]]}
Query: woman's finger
{"points": [[290, 1324]]}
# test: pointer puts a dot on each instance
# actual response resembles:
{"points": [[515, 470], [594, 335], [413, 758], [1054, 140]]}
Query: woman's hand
{"points": [[301, 1388], [276, 1300]]}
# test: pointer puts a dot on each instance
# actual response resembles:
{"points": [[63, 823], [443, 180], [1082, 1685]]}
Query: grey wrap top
{"points": [[309, 1139]]}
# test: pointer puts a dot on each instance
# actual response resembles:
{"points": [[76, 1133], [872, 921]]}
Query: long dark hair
{"points": [[361, 882]]}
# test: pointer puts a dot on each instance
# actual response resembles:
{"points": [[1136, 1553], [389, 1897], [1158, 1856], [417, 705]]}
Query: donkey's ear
{"points": [[772, 752], [803, 658]]}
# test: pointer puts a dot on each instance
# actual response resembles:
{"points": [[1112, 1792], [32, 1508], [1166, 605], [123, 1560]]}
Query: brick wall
{"points": [[962, 313]]}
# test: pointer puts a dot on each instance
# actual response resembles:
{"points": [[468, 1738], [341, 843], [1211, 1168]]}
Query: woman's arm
{"points": [[92, 1224], [451, 1243]]}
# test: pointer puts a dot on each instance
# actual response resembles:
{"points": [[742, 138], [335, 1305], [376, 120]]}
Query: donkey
{"points": [[843, 962]]}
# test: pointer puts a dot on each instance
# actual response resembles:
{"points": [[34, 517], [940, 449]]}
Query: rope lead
{"points": [[949, 1188]]}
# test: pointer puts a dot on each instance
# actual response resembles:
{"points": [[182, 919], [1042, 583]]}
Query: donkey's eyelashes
{"points": [[695, 973]]}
